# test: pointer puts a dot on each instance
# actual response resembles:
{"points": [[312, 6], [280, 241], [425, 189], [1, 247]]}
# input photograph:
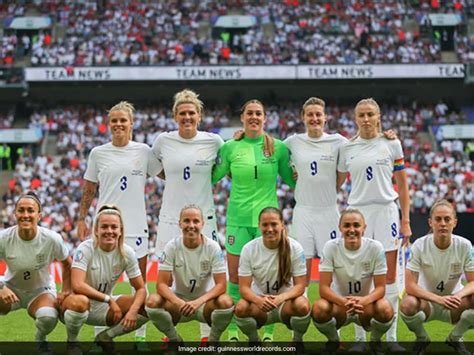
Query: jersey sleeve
{"points": [[218, 261], [284, 166], [326, 263], [82, 257], [298, 261], [61, 252], [154, 166], [245, 265], [414, 261], [92, 172], [341, 162], [131, 265], [380, 261], [167, 259], [222, 165], [156, 148], [2, 246], [396, 152], [469, 259]]}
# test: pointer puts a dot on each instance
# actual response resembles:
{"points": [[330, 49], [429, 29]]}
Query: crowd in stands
{"points": [[433, 174], [287, 32]]}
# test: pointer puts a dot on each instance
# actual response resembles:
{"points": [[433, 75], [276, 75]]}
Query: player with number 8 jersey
{"points": [[372, 161]]}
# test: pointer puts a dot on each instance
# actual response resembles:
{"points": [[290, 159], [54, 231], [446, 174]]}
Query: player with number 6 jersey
{"points": [[352, 282], [187, 156], [196, 266], [372, 160]]}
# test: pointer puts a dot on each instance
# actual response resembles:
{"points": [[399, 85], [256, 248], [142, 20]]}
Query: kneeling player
{"points": [[272, 280], [351, 264], [97, 265], [194, 262], [433, 280], [28, 250]]}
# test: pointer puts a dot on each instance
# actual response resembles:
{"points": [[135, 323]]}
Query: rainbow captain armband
{"points": [[399, 164]]}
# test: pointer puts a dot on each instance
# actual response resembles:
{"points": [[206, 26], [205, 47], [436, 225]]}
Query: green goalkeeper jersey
{"points": [[254, 177]]}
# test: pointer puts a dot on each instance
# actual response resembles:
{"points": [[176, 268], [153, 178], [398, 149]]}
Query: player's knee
{"points": [[301, 306], [242, 309], [155, 301], [321, 311], [383, 310], [410, 305], [224, 301], [46, 319], [78, 303]]}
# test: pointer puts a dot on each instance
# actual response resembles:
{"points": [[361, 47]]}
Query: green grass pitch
{"points": [[18, 326]]}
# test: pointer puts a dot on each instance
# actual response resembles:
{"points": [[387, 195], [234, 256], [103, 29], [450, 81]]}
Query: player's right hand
{"points": [[8, 296], [450, 302], [82, 230]]}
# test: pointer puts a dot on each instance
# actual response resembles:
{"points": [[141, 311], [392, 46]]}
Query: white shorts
{"points": [[98, 312], [383, 224], [138, 244], [438, 312], [353, 318], [27, 297], [313, 227], [168, 230]]}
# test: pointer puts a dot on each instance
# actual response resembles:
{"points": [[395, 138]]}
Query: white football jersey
{"points": [[353, 270], [28, 261], [102, 268], [192, 269], [121, 173], [371, 163], [187, 164], [440, 270], [261, 263], [315, 160]]}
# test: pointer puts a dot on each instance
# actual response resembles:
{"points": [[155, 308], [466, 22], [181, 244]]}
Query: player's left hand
{"points": [[129, 322], [189, 308], [62, 296], [390, 134], [277, 300], [405, 230]]}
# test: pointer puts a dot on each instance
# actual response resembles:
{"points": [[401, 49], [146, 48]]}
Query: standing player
{"points": [[254, 172], [187, 156], [372, 161], [433, 280], [98, 264], [314, 155], [272, 275], [28, 250], [196, 266], [120, 169], [352, 282]]}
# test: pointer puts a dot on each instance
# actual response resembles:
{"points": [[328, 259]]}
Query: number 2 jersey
{"points": [[440, 270], [254, 177], [261, 263], [103, 268], [121, 173], [353, 270], [192, 269], [28, 261], [187, 164], [371, 163]]}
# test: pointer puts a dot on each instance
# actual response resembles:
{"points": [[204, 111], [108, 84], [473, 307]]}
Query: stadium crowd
{"points": [[289, 32], [433, 174]]}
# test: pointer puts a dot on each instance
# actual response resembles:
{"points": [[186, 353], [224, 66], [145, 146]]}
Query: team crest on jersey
{"points": [[456, 268], [78, 256], [205, 266], [40, 258], [231, 240], [162, 258], [117, 269], [366, 266]]}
